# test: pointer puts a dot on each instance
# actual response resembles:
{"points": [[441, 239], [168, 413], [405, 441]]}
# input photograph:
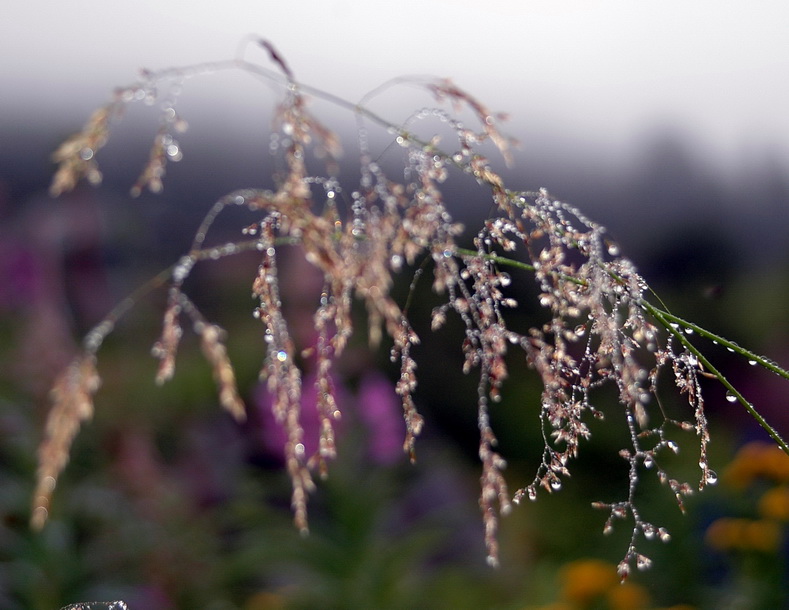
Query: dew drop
{"points": [[532, 493], [40, 515], [752, 362], [643, 562], [49, 483], [711, 477], [174, 152], [282, 355], [556, 484], [86, 154], [731, 397], [183, 268]]}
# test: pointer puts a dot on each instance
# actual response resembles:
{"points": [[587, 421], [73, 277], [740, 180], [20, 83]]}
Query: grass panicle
{"points": [[603, 329]]}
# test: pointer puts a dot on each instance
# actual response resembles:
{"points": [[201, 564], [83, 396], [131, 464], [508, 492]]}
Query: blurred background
{"points": [[666, 122]]}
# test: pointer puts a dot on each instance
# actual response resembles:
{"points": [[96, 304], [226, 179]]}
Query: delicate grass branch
{"points": [[668, 321], [601, 329], [752, 357]]}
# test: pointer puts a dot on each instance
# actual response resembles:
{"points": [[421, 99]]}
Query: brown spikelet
{"points": [[215, 352], [445, 88], [406, 385], [152, 174], [165, 148], [283, 375], [166, 347], [72, 397], [76, 156], [494, 488], [328, 410]]}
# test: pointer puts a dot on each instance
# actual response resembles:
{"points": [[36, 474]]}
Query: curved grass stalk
{"points": [[596, 304], [94, 338], [753, 358], [668, 321]]}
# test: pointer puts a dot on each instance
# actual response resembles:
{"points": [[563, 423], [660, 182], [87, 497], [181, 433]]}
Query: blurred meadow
{"points": [[167, 502]]}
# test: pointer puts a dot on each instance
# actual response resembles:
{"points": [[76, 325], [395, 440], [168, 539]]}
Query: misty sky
{"points": [[590, 73]]}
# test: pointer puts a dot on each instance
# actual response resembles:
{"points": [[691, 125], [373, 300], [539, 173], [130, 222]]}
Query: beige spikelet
{"points": [[72, 397], [216, 354]]}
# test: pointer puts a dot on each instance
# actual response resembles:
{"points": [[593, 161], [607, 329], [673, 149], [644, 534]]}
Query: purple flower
{"points": [[376, 408], [380, 411]]}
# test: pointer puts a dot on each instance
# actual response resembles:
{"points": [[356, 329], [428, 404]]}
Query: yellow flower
{"points": [[723, 534], [728, 534], [587, 579], [774, 504], [628, 596], [776, 464], [758, 460], [763, 535]]}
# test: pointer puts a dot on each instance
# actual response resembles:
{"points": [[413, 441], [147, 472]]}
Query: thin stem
{"points": [[94, 338], [500, 260], [755, 358], [665, 320], [412, 287], [269, 75], [509, 262]]}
